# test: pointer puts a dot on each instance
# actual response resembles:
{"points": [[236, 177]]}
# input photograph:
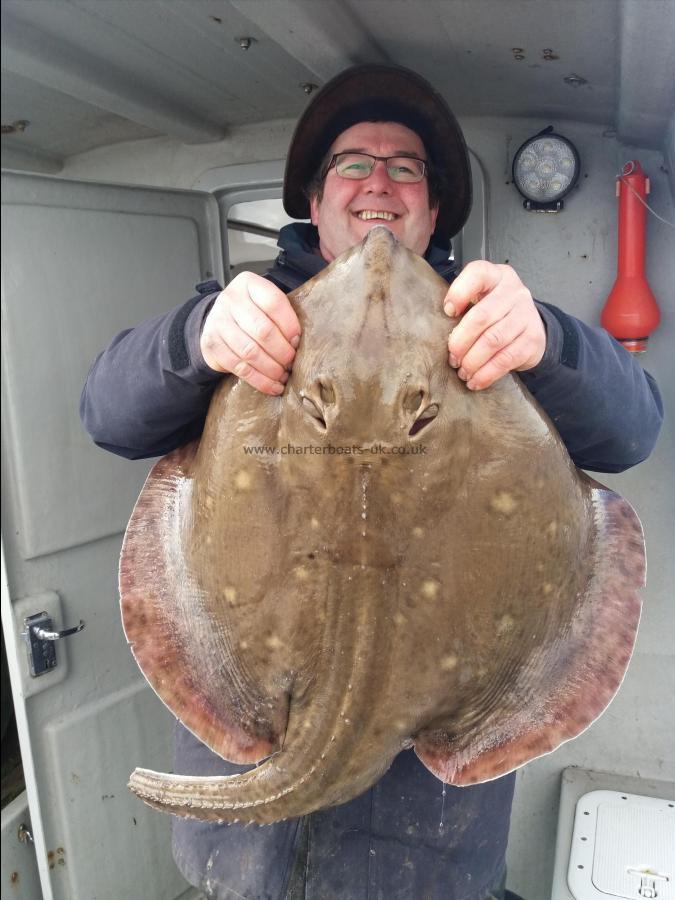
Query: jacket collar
{"points": [[300, 259]]}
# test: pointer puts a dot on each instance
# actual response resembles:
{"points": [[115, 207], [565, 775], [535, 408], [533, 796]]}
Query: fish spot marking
{"points": [[504, 503], [418, 532], [230, 594], [430, 589], [449, 662], [242, 480], [274, 642], [505, 624]]}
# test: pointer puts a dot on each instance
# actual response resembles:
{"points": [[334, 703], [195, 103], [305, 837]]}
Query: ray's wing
{"points": [[540, 586], [201, 586]]}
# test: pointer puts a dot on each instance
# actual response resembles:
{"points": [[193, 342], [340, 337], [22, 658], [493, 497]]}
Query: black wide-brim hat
{"points": [[382, 93]]}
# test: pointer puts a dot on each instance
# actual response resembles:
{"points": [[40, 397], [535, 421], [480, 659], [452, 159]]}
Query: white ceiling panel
{"points": [[58, 121], [87, 73]]}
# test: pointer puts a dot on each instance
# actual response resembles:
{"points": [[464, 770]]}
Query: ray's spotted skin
{"points": [[323, 611]]}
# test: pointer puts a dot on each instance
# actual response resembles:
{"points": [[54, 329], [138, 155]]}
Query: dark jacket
{"points": [[147, 394]]}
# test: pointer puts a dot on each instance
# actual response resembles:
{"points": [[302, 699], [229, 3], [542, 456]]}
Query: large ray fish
{"points": [[379, 558]]}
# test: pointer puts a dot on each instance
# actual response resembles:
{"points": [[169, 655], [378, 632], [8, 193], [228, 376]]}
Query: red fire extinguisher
{"points": [[630, 313]]}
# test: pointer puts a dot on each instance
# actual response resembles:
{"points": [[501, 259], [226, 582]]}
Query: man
{"points": [[376, 146]]}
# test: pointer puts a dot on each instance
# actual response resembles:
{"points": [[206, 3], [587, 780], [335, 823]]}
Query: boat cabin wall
{"points": [[568, 259]]}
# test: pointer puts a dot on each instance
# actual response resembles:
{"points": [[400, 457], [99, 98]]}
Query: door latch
{"points": [[41, 641], [649, 882]]}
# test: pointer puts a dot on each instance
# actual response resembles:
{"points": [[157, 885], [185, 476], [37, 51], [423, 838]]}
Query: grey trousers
{"points": [[386, 844]]}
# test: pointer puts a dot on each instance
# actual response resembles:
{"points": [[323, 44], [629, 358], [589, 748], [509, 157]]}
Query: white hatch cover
{"points": [[623, 846]]}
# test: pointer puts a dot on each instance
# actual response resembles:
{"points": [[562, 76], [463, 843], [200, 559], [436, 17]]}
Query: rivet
{"points": [[245, 42], [308, 87]]}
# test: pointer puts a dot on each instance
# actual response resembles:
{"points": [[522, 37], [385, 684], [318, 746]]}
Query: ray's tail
{"points": [[323, 749]]}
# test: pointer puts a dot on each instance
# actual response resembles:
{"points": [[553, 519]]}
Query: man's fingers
{"points": [[247, 349], [475, 280], [257, 380], [477, 321], [276, 306], [502, 333], [227, 360], [503, 362], [261, 330], [252, 331], [497, 336]]}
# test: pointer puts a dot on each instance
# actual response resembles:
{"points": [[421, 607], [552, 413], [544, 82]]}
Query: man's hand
{"points": [[502, 333], [252, 331]]}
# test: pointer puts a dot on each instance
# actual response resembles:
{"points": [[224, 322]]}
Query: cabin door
{"points": [[81, 262]]}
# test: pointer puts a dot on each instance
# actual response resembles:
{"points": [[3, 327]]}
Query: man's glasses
{"points": [[406, 169]]}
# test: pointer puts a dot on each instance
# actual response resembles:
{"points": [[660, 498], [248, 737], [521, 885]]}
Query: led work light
{"points": [[545, 169]]}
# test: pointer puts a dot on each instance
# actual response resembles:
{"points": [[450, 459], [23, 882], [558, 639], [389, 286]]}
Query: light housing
{"points": [[545, 169]]}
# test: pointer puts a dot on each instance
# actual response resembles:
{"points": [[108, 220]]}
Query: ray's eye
{"points": [[424, 419], [313, 410], [326, 393], [413, 401]]}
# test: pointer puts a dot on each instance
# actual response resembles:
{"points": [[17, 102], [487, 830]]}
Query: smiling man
{"points": [[376, 146], [376, 174], [407, 167]]}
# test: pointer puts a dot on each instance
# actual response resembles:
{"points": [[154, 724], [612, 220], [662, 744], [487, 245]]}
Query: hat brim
{"points": [[382, 93]]}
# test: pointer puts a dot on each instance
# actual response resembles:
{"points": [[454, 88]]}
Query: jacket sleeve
{"points": [[149, 391], [607, 409]]}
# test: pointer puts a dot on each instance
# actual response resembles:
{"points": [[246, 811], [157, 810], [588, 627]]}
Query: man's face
{"points": [[338, 215]]}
